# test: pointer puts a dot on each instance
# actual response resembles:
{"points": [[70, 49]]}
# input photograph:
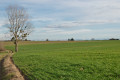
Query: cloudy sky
{"points": [[63, 19]]}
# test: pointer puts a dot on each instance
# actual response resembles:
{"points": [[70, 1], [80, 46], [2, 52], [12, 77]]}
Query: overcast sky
{"points": [[63, 19]]}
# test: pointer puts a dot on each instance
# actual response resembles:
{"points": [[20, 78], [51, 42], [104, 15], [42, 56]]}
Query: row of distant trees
{"points": [[113, 39], [72, 39]]}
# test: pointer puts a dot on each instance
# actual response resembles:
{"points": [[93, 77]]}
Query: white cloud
{"points": [[86, 12], [35, 1], [76, 31], [68, 24], [1, 23], [4, 36], [55, 31], [42, 19], [94, 9]]}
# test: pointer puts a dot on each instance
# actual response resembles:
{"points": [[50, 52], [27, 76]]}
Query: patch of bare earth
{"points": [[9, 70]]}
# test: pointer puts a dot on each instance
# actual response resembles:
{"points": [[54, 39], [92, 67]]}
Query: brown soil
{"points": [[39, 42], [11, 72]]}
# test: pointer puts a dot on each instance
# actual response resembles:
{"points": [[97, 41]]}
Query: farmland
{"points": [[88, 60]]}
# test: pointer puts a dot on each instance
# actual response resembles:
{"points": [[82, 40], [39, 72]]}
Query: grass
{"points": [[2, 55], [90, 60]]}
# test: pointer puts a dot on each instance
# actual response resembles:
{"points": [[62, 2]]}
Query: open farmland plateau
{"points": [[85, 60]]}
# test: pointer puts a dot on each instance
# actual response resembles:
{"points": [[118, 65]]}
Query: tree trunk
{"points": [[16, 46]]}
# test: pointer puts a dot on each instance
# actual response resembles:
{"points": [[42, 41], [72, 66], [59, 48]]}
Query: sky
{"points": [[63, 19]]}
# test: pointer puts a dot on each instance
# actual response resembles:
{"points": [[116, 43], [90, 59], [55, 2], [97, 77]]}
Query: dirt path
{"points": [[10, 70]]}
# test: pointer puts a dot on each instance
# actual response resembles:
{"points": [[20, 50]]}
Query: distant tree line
{"points": [[72, 39], [113, 39], [47, 40]]}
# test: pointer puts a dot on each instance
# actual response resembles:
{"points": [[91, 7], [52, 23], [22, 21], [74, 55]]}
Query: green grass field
{"points": [[90, 60]]}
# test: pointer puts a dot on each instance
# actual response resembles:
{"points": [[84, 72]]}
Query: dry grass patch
{"points": [[2, 48]]}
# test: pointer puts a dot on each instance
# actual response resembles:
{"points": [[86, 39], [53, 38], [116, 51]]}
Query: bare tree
{"points": [[19, 25]]}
